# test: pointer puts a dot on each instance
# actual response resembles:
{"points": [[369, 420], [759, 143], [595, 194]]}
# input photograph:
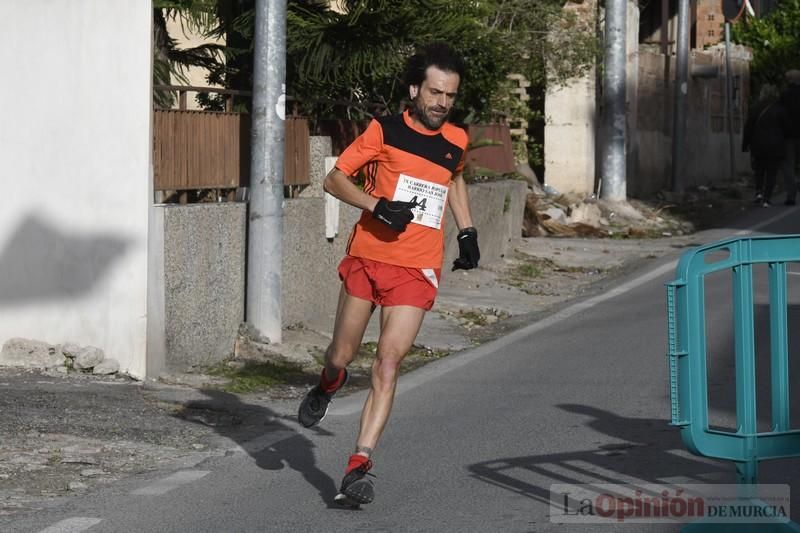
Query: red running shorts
{"points": [[387, 285]]}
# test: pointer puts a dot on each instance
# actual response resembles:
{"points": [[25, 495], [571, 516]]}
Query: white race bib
{"points": [[430, 198]]}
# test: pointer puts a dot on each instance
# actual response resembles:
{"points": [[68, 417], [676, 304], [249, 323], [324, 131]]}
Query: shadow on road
{"points": [[270, 439], [646, 455]]}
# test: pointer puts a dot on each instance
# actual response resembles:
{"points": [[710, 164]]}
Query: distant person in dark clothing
{"points": [[790, 99], [765, 136]]}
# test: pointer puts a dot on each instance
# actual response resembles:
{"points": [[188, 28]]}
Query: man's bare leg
{"points": [[399, 327], [352, 317]]}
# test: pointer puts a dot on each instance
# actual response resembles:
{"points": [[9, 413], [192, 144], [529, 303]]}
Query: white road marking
{"points": [[765, 223], [72, 525], [171, 482], [353, 404]]}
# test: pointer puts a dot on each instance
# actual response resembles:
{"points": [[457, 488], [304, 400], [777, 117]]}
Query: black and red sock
{"points": [[356, 461], [329, 386]]}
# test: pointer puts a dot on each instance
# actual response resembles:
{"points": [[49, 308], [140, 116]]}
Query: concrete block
{"points": [[571, 104], [586, 213], [204, 266], [319, 149], [497, 210], [569, 158], [570, 136], [28, 353], [88, 357], [106, 367], [556, 214], [310, 284]]}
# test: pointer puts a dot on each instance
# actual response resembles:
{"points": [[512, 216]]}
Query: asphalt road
{"points": [[475, 440]]}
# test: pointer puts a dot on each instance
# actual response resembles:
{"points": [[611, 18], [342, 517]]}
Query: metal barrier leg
{"points": [[779, 347], [744, 337], [747, 474]]}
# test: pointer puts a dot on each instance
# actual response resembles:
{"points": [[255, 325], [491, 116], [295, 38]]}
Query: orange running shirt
{"points": [[403, 161]]}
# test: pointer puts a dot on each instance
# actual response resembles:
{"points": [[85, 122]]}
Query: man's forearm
{"points": [[458, 199], [339, 185]]}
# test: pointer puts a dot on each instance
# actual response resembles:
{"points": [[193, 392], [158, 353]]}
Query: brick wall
{"points": [[710, 20]]}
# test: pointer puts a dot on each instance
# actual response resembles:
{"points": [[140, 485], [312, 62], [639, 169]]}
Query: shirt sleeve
{"points": [[460, 167], [364, 149], [465, 145]]}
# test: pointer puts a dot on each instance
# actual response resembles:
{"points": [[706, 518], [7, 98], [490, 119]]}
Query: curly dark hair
{"points": [[437, 54]]}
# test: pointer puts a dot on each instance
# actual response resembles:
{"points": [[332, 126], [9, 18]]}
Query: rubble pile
{"points": [[549, 213], [60, 358]]}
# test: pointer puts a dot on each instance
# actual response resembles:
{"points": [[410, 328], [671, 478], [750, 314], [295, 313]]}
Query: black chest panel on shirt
{"points": [[434, 148]]}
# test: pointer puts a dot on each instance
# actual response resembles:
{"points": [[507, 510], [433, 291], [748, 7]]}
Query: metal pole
{"points": [[664, 33], [265, 219], [612, 173], [681, 92], [729, 96]]}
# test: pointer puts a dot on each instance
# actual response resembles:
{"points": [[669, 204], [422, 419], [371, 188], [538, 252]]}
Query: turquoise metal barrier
{"points": [[688, 358]]}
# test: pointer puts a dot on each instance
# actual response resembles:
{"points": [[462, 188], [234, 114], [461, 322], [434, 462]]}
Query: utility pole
{"points": [[613, 126], [265, 217], [681, 97], [729, 97]]}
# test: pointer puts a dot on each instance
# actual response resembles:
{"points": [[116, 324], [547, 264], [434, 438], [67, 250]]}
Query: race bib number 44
{"points": [[430, 199]]}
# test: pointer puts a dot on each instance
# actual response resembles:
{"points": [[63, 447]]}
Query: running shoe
{"points": [[314, 406], [356, 487]]}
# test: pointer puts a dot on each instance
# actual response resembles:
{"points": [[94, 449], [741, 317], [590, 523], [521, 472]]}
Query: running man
{"points": [[413, 163]]}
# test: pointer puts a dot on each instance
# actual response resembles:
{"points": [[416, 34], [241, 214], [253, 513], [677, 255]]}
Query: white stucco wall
{"points": [[75, 172]]}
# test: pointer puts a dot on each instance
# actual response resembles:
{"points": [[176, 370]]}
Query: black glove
{"points": [[396, 215], [468, 252]]}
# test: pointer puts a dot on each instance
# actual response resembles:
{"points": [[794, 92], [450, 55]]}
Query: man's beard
{"points": [[430, 122]]}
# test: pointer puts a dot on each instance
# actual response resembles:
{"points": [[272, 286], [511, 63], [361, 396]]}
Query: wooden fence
{"points": [[297, 153], [200, 150], [211, 150]]}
